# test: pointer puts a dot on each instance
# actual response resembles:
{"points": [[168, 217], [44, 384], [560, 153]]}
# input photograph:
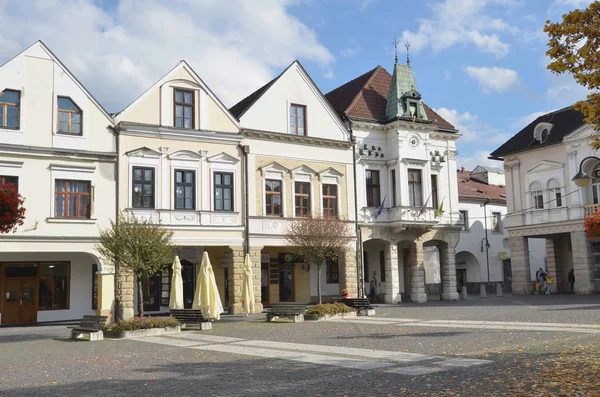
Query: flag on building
{"points": [[380, 210]]}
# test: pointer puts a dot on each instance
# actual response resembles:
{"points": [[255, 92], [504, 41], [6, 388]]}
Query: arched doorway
{"points": [[468, 272]]}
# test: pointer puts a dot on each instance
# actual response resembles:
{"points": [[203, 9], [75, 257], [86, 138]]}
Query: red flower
{"points": [[12, 212], [591, 225]]}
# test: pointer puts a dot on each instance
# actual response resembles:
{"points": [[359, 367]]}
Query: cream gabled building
{"points": [[57, 146], [406, 169], [300, 163], [180, 163]]}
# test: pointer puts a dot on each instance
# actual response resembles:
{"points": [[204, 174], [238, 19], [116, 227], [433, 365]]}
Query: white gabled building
{"points": [[406, 171], [57, 146], [540, 163]]}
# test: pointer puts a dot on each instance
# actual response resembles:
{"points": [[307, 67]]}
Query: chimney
{"points": [[462, 169]]}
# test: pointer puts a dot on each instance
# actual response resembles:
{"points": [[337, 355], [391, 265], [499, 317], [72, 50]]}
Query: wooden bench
{"points": [[293, 311], [90, 326], [360, 304], [191, 319]]}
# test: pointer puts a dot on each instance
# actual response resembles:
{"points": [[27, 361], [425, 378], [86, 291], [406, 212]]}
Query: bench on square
{"points": [[191, 319], [293, 311], [360, 304], [90, 326]]}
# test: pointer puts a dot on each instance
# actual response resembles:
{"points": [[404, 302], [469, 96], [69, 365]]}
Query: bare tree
{"points": [[317, 240], [142, 246]]}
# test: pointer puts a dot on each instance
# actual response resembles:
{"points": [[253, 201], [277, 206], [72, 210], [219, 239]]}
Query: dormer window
{"points": [[298, 120], [411, 104], [183, 108], [10, 102], [541, 132], [69, 117]]}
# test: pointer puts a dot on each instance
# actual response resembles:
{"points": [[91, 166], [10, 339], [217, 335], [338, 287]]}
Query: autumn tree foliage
{"points": [[142, 246], [591, 225], [317, 240], [574, 45], [12, 212]]}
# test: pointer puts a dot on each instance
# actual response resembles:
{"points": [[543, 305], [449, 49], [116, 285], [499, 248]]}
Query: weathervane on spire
{"points": [[407, 45], [396, 42]]}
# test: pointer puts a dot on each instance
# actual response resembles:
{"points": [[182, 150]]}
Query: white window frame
{"points": [[465, 226], [72, 173], [185, 160], [331, 176], [493, 216], [303, 174], [13, 168], [277, 172], [148, 162], [289, 103], [552, 193], [536, 193]]}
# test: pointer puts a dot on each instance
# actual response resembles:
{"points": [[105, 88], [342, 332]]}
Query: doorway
{"points": [[187, 276], [286, 284], [19, 301], [461, 279], [151, 293], [507, 273]]}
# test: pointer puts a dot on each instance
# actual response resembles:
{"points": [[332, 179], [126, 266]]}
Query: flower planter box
{"points": [[330, 317], [142, 332]]}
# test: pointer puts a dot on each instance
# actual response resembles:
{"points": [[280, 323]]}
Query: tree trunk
{"points": [[319, 282], [140, 296], [117, 309]]}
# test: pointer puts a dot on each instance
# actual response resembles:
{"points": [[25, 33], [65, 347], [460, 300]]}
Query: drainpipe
{"points": [[117, 306], [246, 151], [359, 264]]}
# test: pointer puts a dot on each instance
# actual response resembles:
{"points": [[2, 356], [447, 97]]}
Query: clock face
{"points": [[288, 257], [413, 141]]}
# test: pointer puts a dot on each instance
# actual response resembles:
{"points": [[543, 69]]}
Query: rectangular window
{"points": [[183, 108], [72, 199], [223, 191], [185, 190], [143, 187], [9, 180], [496, 222], [54, 286], [10, 109], [464, 219], [393, 176], [382, 265], [373, 189], [69, 117], [434, 191], [94, 287], [556, 192], [297, 120], [302, 198], [273, 197], [415, 188], [538, 199], [330, 203], [332, 270], [365, 267]]}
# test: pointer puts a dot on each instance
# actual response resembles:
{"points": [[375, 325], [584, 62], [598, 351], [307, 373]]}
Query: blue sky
{"points": [[479, 63]]}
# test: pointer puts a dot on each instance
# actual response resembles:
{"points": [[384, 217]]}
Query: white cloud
{"points": [[364, 4], [471, 128], [494, 78], [447, 75], [478, 157], [462, 22], [352, 50], [522, 122], [119, 53]]}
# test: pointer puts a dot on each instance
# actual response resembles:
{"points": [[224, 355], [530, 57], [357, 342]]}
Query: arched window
{"points": [[537, 195], [554, 193], [596, 185]]}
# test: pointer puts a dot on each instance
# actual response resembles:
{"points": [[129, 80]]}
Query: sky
{"points": [[480, 64]]}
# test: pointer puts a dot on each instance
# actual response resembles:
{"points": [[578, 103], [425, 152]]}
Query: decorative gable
{"points": [[545, 165], [223, 158], [583, 132], [185, 155], [303, 173], [273, 170], [330, 175], [143, 152]]}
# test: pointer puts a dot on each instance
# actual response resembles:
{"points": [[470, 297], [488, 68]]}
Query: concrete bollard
{"points": [[499, 291], [482, 292], [463, 293]]}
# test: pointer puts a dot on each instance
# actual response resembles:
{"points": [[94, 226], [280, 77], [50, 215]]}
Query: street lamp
{"points": [[582, 179], [483, 288]]}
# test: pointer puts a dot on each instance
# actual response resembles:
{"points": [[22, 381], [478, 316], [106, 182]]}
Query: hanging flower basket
{"points": [[12, 212], [591, 225]]}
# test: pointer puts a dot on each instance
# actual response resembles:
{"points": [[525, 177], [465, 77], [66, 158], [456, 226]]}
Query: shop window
{"points": [[151, 292], [382, 265], [54, 286], [332, 270]]}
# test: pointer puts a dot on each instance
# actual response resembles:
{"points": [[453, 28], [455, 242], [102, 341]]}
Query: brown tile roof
{"points": [[471, 189], [365, 97]]}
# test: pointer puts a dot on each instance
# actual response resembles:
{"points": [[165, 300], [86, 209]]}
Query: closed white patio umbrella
{"points": [[248, 287], [206, 296], [176, 299]]}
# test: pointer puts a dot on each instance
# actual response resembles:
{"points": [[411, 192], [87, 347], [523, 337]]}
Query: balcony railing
{"points": [[591, 208]]}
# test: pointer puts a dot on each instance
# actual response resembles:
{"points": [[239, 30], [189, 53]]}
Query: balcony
{"points": [[397, 216], [178, 218], [591, 208]]}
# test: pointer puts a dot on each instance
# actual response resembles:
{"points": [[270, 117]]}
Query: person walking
{"points": [[572, 280], [540, 277], [373, 287]]}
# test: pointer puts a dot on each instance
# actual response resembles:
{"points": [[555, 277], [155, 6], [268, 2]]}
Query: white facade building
{"points": [[57, 146], [543, 202]]}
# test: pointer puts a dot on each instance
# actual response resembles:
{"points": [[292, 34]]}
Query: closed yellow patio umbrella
{"points": [[248, 287], [176, 299], [206, 296]]}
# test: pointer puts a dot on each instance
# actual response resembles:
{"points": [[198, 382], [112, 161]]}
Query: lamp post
{"points": [[483, 289], [582, 179]]}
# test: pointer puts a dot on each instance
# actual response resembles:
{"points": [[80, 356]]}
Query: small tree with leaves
{"points": [[317, 240], [142, 246], [12, 212], [573, 47]]}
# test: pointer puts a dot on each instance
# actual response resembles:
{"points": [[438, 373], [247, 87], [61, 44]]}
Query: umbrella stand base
{"points": [[203, 326]]}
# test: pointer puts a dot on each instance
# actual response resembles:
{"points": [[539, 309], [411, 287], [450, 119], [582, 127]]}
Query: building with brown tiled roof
{"points": [[407, 195]]}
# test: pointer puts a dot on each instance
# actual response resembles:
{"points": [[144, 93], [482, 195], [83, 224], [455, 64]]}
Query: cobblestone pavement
{"points": [[398, 352]]}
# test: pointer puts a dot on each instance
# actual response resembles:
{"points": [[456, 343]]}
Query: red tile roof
{"points": [[365, 97], [472, 189]]}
